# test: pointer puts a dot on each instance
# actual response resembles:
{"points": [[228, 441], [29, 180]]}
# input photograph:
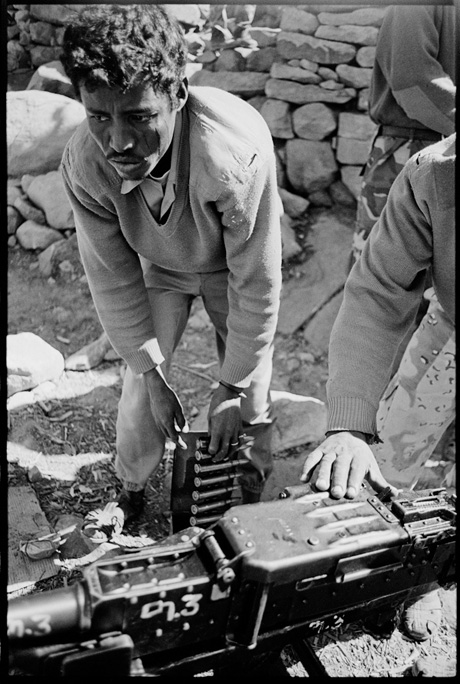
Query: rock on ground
{"points": [[30, 361]]}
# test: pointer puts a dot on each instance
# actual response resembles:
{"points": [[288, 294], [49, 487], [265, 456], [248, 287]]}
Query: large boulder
{"points": [[30, 361], [39, 124], [52, 78], [47, 192]]}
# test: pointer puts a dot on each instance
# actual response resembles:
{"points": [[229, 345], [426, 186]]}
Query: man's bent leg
{"points": [[140, 444]]}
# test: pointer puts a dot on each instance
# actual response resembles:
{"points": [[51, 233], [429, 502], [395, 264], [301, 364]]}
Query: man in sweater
{"points": [[415, 233], [174, 195]]}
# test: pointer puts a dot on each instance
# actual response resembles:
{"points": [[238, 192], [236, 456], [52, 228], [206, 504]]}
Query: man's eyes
{"points": [[136, 118], [99, 117], [142, 118]]}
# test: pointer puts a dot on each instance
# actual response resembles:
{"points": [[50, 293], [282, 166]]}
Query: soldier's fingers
{"points": [[377, 481], [310, 462], [323, 471], [340, 475], [356, 476]]}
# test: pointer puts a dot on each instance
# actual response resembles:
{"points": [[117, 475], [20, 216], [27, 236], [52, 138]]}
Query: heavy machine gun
{"points": [[263, 576]]}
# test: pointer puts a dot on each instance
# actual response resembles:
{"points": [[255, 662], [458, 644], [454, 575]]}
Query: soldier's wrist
{"points": [[366, 437]]}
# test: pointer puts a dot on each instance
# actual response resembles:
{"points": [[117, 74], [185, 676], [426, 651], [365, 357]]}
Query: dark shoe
{"points": [[131, 503], [422, 616], [381, 625]]}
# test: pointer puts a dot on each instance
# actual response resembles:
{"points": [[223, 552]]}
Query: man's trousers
{"points": [[140, 444]]}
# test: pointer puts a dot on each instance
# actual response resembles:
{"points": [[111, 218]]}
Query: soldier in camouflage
{"points": [[380, 427], [412, 99]]}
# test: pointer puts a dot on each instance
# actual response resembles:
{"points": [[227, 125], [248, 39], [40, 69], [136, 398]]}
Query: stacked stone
{"points": [[35, 34], [309, 76]]}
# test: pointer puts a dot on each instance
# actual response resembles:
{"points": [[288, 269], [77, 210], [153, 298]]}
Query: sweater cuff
{"points": [[351, 413], [236, 375], [148, 356]]}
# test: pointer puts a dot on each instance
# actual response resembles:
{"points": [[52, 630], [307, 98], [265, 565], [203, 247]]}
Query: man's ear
{"points": [[182, 93]]}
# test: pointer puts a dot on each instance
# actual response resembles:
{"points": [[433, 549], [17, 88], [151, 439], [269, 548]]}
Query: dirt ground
{"points": [[82, 420]]}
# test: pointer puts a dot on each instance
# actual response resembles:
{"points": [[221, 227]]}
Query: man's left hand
{"points": [[224, 421]]}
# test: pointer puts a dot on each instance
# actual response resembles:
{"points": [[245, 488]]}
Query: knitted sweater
{"points": [[414, 75], [416, 231], [226, 215]]}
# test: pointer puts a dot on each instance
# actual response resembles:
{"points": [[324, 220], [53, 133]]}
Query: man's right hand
{"points": [[341, 463], [166, 408]]}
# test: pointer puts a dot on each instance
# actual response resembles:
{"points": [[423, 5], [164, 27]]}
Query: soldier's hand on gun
{"points": [[166, 408], [224, 422], [341, 463]]}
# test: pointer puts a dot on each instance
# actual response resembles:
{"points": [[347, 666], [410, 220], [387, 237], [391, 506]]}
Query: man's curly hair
{"points": [[120, 46]]}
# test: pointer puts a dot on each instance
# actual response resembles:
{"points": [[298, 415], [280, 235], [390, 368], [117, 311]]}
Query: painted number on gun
{"points": [[192, 607]]}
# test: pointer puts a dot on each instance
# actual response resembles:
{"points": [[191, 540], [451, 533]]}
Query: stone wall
{"points": [[309, 77], [306, 68]]}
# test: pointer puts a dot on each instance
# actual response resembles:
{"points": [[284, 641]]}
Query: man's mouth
{"points": [[124, 160]]}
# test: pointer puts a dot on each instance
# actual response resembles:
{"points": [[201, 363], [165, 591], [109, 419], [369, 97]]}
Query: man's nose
{"points": [[120, 138]]}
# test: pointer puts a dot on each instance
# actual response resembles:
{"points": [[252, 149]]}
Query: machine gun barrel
{"points": [[61, 614]]}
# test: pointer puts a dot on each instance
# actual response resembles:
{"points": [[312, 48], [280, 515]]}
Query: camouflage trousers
{"points": [[386, 159], [419, 402]]}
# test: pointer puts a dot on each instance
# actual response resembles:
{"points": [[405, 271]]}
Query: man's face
{"points": [[133, 129]]}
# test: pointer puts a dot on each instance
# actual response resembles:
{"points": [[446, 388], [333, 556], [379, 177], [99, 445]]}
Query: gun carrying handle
{"points": [[366, 565]]}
